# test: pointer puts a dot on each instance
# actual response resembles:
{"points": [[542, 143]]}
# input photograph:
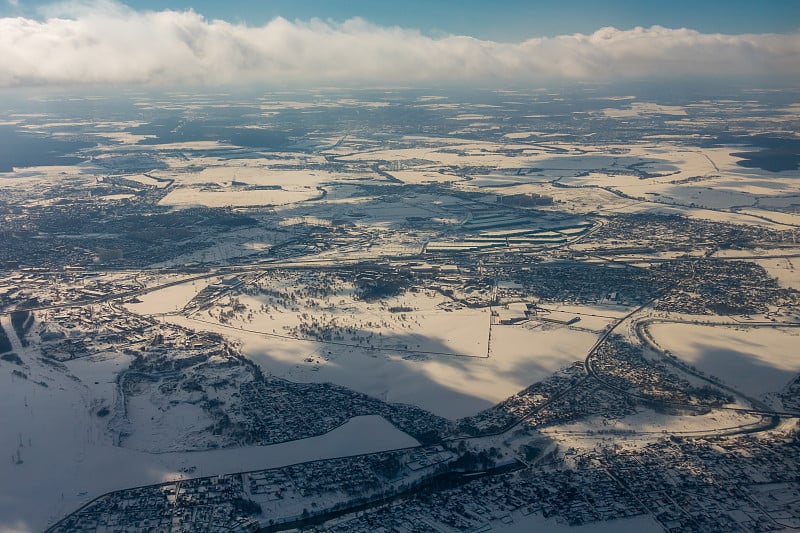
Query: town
{"points": [[468, 321]]}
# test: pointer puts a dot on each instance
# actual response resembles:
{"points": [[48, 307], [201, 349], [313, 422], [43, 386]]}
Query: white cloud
{"points": [[106, 42]]}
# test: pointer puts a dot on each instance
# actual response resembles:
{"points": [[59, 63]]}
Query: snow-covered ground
{"points": [[646, 426], [432, 355], [756, 361], [169, 299], [783, 269], [452, 386], [185, 197]]}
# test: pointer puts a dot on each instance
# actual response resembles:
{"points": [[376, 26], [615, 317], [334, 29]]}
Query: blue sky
{"points": [[501, 20]]}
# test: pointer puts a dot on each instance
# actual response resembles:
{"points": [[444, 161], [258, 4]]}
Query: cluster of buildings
{"points": [[581, 282], [522, 405], [260, 500], [524, 199], [709, 286], [74, 332], [36, 236], [790, 396], [657, 232], [204, 504], [275, 410], [717, 484], [736, 483], [621, 366], [699, 484], [573, 498], [30, 287]]}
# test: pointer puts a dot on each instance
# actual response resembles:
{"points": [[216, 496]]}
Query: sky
{"points": [[180, 42], [498, 20]]}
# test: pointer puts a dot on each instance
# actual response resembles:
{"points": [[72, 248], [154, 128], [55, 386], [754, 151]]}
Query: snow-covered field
{"points": [[756, 361], [646, 426], [451, 386], [593, 317], [184, 197], [169, 299], [783, 269]]}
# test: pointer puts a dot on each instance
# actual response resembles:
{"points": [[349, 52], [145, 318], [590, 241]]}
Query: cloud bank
{"points": [[108, 43]]}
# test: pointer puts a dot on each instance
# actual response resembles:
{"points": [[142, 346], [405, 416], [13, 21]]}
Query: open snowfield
{"points": [[449, 386], [783, 269], [184, 197], [646, 426], [252, 172], [452, 386], [169, 299], [788, 219], [243, 183], [638, 109], [756, 361], [466, 152], [689, 178]]}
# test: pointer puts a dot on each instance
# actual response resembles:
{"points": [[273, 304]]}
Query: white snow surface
{"points": [[756, 361]]}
